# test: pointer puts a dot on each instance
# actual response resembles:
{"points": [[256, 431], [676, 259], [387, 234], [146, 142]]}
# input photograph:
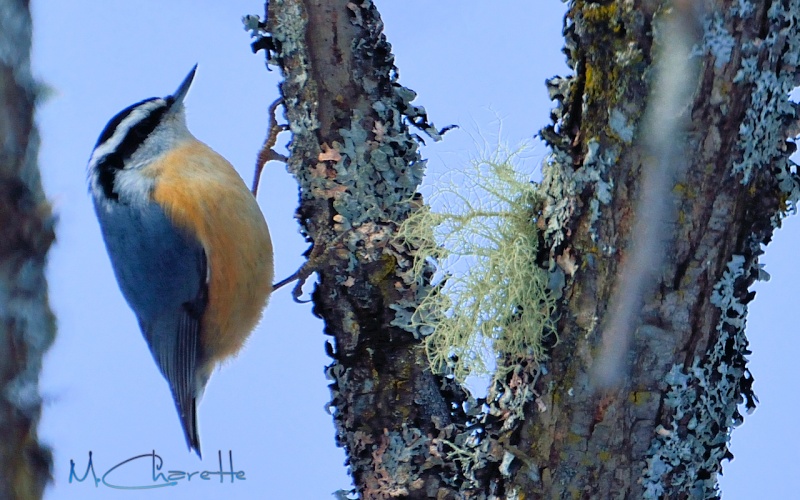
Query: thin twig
{"points": [[267, 152]]}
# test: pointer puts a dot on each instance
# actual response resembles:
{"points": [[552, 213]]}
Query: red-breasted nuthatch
{"points": [[188, 243]]}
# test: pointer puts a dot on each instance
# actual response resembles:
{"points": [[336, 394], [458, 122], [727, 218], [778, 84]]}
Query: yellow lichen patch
{"points": [[783, 205], [590, 73], [573, 438], [603, 15], [381, 275], [605, 86], [639, 397]]}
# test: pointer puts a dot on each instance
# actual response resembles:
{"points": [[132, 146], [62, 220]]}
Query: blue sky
{"points": [[469, 63]]}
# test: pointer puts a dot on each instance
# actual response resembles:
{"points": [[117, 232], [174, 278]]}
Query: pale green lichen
{"points": [[717, 40], [704, 399], [744, 8], [491, 291], [621, 126], [762, 131]]}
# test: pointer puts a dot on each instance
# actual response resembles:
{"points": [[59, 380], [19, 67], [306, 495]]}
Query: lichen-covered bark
{"points": [[358, 168], [26, 231], [664, 430], [551, 431]]}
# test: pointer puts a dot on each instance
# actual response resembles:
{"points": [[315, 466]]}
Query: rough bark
{"points": [[358, 167], [551, 430], [664, 431], [27, 325]]}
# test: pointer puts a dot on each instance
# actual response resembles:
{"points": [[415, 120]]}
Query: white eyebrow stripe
{"points": [[122, 129]]}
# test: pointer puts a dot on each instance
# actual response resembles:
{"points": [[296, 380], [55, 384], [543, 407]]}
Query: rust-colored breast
{"points": [[202, 193]]}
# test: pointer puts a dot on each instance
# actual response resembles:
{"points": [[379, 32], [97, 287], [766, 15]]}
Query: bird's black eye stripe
{"points": [[114, 122], [114, 160]]}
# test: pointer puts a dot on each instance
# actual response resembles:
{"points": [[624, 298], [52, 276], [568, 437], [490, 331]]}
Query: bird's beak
{"points": [[180, 94]]}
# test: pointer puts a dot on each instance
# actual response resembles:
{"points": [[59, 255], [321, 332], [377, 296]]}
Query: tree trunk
{"points": [[657, 422], [358, 168], [663, 431], [27, 326]]}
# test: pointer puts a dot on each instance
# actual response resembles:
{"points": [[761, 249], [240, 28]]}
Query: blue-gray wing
{"points": [[161, 271]]}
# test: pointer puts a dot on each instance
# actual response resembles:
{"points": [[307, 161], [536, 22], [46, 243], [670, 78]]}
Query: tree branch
{"points": [[27, 325], [339, 88]]}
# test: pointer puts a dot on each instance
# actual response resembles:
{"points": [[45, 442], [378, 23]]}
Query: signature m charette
{"points": [[159, 477]]}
